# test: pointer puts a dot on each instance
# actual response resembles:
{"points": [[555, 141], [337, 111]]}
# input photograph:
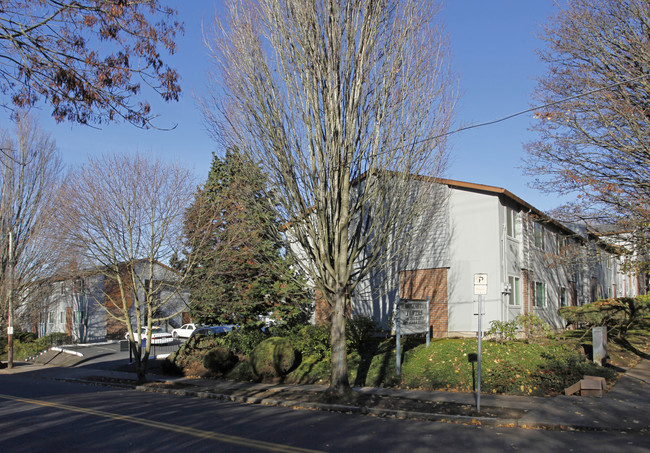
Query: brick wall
{"points": [[322, 310], [432, 283], [527, 291], [115, 329]]}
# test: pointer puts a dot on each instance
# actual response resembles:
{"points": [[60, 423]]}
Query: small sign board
{"points": [[414, 316], [480, 284]]}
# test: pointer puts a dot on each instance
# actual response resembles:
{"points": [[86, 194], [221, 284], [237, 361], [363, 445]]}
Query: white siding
{"points": [[473, 248]]}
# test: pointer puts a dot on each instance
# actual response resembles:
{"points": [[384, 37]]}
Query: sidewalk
{"points": [[625, 407]]}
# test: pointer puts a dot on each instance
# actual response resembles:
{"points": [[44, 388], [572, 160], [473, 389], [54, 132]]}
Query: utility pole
{"points": [[10, 304]]}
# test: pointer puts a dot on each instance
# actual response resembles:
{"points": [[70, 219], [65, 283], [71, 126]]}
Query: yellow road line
{"points": [[236, 440]]}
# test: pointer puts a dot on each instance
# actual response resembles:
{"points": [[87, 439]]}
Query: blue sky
{"points": [[493, 45]]}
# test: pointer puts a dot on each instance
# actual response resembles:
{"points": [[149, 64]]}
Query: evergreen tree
{"points": [[243, 269]]}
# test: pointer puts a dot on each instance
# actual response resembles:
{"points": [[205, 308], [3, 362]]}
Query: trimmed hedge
{"points": [[619, 314], [275, 357], [220, 360]]}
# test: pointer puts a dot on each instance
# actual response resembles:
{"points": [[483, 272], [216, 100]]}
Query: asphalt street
{"points": [[45, 415]]}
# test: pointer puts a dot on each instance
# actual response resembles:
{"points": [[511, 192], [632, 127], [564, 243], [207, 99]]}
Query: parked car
{"points": [[184, 331], [158, 335], [213, 330]]}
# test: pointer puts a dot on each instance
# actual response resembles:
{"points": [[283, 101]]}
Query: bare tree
{"points": [[87, 59], [594, 135], [123, 216], [341, 102], [30, 172]]}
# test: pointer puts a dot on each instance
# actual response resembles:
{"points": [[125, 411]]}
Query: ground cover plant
{"points": [[619, 315], [27, 345], [531, 362]]}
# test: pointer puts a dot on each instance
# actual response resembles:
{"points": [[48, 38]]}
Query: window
{"points": [[594, 289], [79, 285], [539, 236], [514, 298], [512, 227], [51, 317], [77, 317], [540, 295], [574, 293], [563, 297], [62, 317], [561, 245]]}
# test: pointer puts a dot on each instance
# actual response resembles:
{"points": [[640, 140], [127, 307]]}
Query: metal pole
{"points": [[480, 334], [428, 322], [10, 304], [398, 355]]}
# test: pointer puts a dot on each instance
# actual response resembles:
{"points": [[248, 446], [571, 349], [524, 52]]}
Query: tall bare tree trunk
{"points": [[341, 102], [339, 381]]}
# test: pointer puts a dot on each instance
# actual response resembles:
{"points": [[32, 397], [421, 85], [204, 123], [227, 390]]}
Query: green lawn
{"points": [[540, 367]]}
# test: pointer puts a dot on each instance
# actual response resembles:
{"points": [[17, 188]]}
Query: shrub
{"points": [[220, 360], [533, 326], [274, 357], [24, 337], [245, 339], [503, 331], [619, 314], [359, 330], [169, 367], [563, 368], [242, 372], [59, 338], [31, 346], [23, 351], [190, 354], [313, 341]]}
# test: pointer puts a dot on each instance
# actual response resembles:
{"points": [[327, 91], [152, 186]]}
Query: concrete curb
{"points": [[66, 351], [360, 410]]}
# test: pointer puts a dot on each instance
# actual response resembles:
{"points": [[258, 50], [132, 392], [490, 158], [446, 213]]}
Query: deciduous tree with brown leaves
{"points": [[594, 131], [88, 59]]}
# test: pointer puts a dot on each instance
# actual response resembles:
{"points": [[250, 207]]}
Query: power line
{"points": [[532, 109]]}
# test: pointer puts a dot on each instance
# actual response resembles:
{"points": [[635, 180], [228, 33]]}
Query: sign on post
{"points": [[414, 316], [480, 284], [480, 290]]}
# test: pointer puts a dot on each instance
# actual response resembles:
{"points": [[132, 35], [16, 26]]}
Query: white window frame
{"points": [[514, 298], [512, 223], [563, 296]]}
